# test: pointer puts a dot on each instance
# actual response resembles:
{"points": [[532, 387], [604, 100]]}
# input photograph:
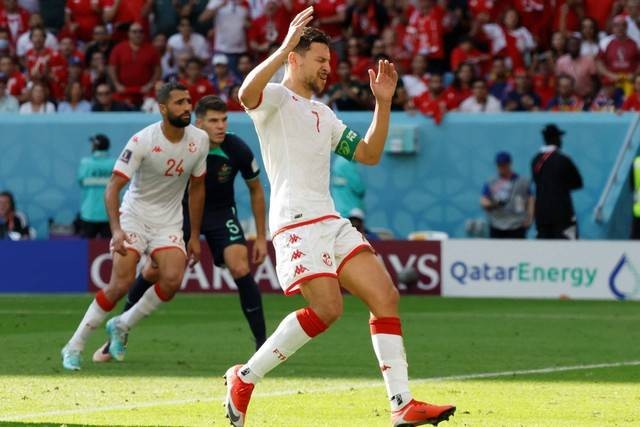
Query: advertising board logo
{"points": [[624, 286]]}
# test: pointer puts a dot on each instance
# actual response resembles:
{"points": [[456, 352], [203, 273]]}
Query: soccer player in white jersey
{"points": [[159, 161], [317, 251]]}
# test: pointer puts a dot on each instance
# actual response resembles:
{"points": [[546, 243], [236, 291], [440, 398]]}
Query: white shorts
{"points": [[147, 239], [313, 249]]}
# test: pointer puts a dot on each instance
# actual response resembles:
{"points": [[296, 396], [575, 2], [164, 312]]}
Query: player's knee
{"points": [[172, 280], [238, 270], [329, 311]]}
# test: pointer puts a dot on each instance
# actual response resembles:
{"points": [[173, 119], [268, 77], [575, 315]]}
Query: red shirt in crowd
{"points": [[366, 23], [425, 33], [632, 103], [271, 29], [491, 7], [572, 21], [599, 10], [621, 56], [128, 12], [46, 62], [536, 16], [16, 84], [17, 23], [326, 9], [86, 15], [134, 68], [201, 87], [544, 86], [435, 107], [455, 96]]}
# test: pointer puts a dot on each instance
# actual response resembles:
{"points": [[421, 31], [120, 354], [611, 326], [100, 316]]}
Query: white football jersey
{"points": [[296, 136], [159, 171]]}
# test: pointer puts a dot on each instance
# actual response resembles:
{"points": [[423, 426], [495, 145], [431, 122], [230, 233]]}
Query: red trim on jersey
{"points": [[386, 325], [257, 105], [162, 248], [122, 174], [353, 253], [290, 291], [104, 302], [164, 297], [310, 322], [307, 222], [129, 248]]}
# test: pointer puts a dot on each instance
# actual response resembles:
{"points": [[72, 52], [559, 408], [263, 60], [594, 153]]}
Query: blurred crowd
{"points": [[452, 55]]}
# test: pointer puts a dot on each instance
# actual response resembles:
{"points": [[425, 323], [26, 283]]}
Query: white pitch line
{"points": [[332, 389]]}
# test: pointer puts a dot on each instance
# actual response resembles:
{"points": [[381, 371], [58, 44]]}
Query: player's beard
{"points": [[316, 84], [179, 121]]}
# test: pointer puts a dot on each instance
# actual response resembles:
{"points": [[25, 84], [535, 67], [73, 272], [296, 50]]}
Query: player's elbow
{"points": [[369, 159], [247, 98]]}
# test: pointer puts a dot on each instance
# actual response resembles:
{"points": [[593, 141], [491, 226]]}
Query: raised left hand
{"points": [[383, 84]]}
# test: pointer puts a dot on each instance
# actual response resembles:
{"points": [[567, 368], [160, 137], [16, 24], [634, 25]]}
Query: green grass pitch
{"points": [[502, 362]]}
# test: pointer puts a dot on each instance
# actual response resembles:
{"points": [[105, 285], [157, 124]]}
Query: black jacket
{"points": [[555, 177]]}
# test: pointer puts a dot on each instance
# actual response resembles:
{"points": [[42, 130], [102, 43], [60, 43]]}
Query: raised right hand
{"points": [[296, 27]]}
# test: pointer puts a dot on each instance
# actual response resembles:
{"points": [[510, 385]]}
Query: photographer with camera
{"points": [[508, 201]]}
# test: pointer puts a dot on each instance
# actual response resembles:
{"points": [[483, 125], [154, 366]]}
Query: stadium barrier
{"points": [[601, 270], [434, 188]]}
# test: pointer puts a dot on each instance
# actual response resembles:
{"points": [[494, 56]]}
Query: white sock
{"points": [[389, 349], [91, 320], [145, 306], [294, 331]]}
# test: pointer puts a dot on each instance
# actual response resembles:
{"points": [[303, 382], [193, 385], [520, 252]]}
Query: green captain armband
{"points": [[347, 145]]}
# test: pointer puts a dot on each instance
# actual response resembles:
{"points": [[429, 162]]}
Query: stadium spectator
{"points": [[360, 63], [600, 10], [104, 101], [481, 101], [101, 42], [425, 33], [38, 103], [330, 16], [417, 81], [619, 56], [581, 68], [590, 36], [522, 97], [635, 187], [24, 43], [122, 14], [134, 66], [609, 98], [508, 201], [167, 59], [460, 88], [233, 103], [348, 94], [150, 103], [499, 82], [632, 103], [366, 18], [400, 100], [81, 17], [14, 18], [511, 40], [93, 176], [555, 177], [566, 98], [5, 42], [558, 47], [467, 52], [43, 63], [267, 29], [186, 41], [222, 78], [434, 102], [78, 74], [97, 70], [537, 17], [230, 22], [8, 103], [68, 49], [245, 65], [632, 16], [74, 100], [166, 15], [13, 224], [17, 82], [196, 83]]}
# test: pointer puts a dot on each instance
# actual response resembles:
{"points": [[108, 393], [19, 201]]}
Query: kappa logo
{"points": [[192, 147], [294, 98], [294, 238], [135, 138], [156, 149], [385, 368], [299, 270], [326, 258], [297, 254]]}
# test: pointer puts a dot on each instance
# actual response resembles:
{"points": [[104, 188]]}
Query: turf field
{"points": [[502, 362]]}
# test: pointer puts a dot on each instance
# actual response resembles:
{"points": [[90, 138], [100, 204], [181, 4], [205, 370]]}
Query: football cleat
{"points": [[102, 353], [417, 413], [70, 358], [118, 338], [238, 396]]}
